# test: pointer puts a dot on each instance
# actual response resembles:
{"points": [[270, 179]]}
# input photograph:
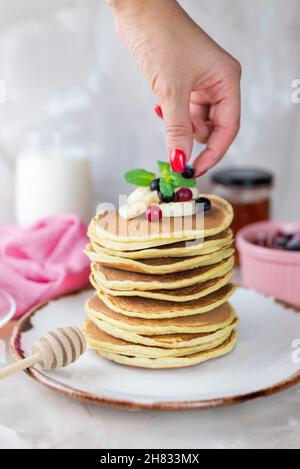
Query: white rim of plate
{"points": [[85, 396], [12, 308]]}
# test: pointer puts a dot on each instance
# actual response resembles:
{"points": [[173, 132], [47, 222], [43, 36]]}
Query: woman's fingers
{"points": [[178, 128], [225, 118], [200, 120], [183, 65]]}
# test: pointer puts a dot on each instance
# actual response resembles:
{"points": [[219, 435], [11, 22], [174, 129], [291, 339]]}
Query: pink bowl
{"points": [[271, 271]]}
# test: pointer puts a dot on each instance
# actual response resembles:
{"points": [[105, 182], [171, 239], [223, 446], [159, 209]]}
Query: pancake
{"points": [[162, 289], [174, 362], [116, 279], [165, 341], [159, 265], [148, 308], [128, 247], [218, 318], [179, 249], [100, 340], [192, 292], [110, 226]]}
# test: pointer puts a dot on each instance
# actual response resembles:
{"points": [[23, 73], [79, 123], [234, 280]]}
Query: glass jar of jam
{"points": [[249, 192]]}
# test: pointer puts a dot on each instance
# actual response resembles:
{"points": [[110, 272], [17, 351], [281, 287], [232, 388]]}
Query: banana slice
{"points": [[134, 209], [143, 194], [138, 195], [152, 198], [194, 190], [130, 211], [178, 209]]}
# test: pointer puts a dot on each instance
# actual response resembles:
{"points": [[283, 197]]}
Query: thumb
{"points": [[178, 129]]}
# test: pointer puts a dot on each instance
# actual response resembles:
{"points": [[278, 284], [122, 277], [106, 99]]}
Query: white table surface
{"points": [[34, 417]]}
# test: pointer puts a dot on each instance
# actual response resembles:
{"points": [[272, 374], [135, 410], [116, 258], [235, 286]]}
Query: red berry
{"points": [[278, 234], [184, 195], [154, 213], [178, 160], [261, 239]]}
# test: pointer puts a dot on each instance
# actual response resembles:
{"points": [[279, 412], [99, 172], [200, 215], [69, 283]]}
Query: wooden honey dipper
{"points": [[57, 349]]}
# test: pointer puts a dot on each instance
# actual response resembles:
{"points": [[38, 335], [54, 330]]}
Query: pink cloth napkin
{"points": [[43, 261]]}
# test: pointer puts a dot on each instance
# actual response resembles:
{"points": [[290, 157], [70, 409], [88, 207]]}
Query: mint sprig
{"points": [[179, 181], [139, 177], [166, 186], [169, 180], [164, 168]]}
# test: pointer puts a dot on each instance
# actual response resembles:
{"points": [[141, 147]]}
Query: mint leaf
{"points": [[179, 181], [166, 186], [139, 177], [164, 168]]}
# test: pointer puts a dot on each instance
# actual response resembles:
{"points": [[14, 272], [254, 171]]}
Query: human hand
{"points": [[196, 82]]}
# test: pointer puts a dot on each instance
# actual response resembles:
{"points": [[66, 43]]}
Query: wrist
{"points": [[138, 7], [122, 6]]}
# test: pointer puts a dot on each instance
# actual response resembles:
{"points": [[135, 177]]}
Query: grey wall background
{"points": [[65, 68]]}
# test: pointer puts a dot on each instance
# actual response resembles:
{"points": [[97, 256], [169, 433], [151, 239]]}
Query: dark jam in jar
{"points": [[249, 192]]}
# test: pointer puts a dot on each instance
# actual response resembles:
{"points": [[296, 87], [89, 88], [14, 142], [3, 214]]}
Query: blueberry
{"points": [[188, 172], [280, 242], [166, 199], [294, 244], [154, 185], [206, 203]]}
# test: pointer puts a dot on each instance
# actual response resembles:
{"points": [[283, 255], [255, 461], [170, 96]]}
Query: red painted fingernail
{"points": [[158, 111], [178, 160]]}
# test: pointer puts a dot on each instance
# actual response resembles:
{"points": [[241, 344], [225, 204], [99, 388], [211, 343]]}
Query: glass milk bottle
{"points": [[52, 178]]}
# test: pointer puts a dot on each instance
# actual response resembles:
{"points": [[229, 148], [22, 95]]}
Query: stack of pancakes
{"points": [[161, 299]]}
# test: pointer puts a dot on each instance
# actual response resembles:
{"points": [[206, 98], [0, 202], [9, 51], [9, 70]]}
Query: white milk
{"points": [[50, 183]]}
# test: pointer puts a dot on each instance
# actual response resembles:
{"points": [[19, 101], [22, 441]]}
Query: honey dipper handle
{"points": [[19, 366]]}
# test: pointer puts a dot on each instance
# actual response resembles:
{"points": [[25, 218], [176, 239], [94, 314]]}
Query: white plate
{"points": [[265, 361], [7, 307]]}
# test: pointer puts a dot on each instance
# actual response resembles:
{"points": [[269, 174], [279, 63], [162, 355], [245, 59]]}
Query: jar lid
{"points": [[242, 177]]}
